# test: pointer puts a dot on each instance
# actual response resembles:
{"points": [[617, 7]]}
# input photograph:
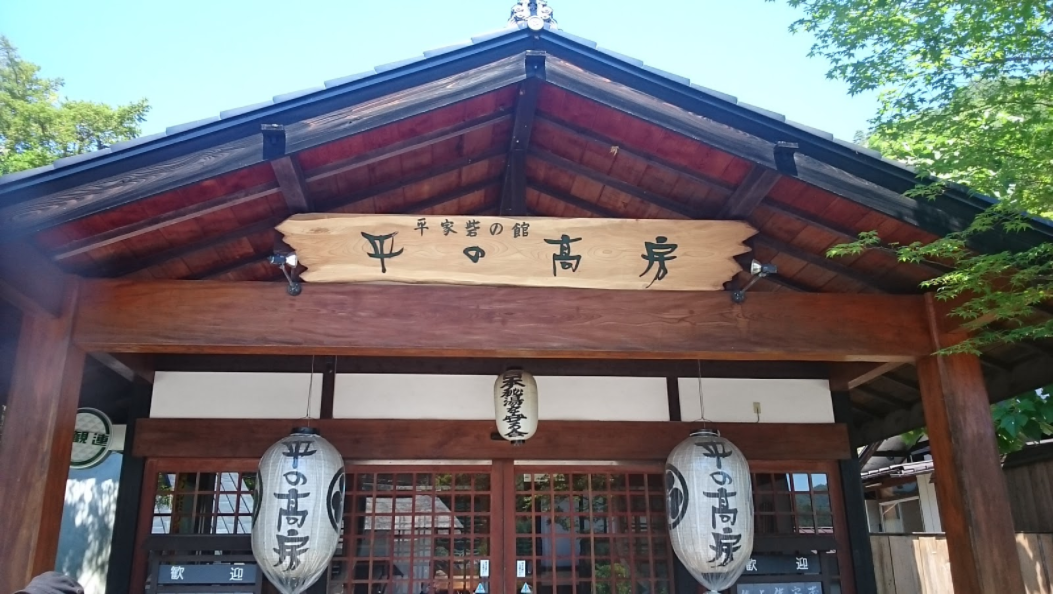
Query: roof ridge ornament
{"points": [[532, 14]]}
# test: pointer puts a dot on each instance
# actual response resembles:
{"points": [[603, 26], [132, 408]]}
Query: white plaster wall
{"points": [[382, 396], [391, 396], [234, 395], [781, 400]]}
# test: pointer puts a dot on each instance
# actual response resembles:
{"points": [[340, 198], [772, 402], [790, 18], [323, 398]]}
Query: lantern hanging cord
{"points": [[701, 396], [310, 393]]}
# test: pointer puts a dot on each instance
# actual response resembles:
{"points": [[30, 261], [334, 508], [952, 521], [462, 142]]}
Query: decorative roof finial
{"points": [[532, 14]]}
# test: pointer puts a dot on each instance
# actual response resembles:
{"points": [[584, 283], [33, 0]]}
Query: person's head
{"points": [[52, 582]]}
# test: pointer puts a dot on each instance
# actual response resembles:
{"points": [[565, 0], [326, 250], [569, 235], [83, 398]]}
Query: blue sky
{"points": [[192, 59]]}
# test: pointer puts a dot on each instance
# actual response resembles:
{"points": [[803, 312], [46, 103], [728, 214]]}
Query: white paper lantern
{"points": [[515, 405], [709, 498], [298, 510]]}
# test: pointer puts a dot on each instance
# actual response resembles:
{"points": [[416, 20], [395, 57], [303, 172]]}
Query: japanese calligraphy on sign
{"points": [[653, 255]]}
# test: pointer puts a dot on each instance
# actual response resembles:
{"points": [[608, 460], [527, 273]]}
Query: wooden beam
{"points": [[828, 264], [847, 376], [717, 186], [471, 440], [754, 187], [371, 320], [440, 169], [883, 396], [675, 208], [34, 462], [126, 268], [164, 220], [854, 503], [129, 495], [129, 366], [513, 193], [293, 185], [356, 113], [579, 203], [408, 145], [971, 490], [455, 194], [30, 281], [942, 216], [491, 366]]}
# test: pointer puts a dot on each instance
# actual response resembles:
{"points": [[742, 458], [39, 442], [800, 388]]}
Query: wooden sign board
{"points": [[670, 255]]}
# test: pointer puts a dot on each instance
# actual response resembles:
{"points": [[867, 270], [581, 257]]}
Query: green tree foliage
{"points": [[966, 97], [38, 126]]}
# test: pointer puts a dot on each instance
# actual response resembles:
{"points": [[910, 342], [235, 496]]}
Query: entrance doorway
{"points": [[505, 527]]}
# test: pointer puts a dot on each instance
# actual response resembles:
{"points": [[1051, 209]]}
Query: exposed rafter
{"points": [[717, 186], [676, 209], [293, 185], [513, 192], [754, 187], [161, 221]]}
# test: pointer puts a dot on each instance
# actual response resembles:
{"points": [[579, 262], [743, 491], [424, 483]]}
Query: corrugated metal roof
{"points": [[279, 99]]}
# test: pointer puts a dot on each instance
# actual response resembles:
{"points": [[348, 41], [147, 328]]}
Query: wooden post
{"points": [[34, 459], [129, 495], [970, 487], [855, 504]]}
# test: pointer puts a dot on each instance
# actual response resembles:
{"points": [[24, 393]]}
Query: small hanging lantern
{"points": [[515, 405], [298, 509], [709, 498]]}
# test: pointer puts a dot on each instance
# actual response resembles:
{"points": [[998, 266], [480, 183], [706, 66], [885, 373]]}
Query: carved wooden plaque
{"points": [[655, 255]]}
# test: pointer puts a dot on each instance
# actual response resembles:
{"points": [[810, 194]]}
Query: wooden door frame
{"points": [[502, 495]]}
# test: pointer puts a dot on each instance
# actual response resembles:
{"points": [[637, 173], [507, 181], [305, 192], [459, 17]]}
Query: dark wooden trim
{"points": [[293, 185], [754, 187], [855, 505], [717, 186], [493, 366], [31, 282], [339, 118], [328, 388], [672, 386], [513, 193], [471, 440], [677, 209], [42, 403], [452, 321], [129, 494], [971, 489]]}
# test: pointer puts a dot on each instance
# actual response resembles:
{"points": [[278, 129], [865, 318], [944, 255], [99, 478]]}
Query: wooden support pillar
{"points": [[970, 486], [35, 450], [129, 495], [855, 505]]}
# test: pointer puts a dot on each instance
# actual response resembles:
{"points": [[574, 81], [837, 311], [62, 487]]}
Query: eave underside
{"points": [[524, 145]]}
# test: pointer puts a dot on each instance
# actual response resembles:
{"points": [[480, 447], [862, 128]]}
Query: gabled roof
{"points": [[516, 122]]}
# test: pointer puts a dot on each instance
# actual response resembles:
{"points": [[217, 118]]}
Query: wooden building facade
{"points": [[143, 267]]}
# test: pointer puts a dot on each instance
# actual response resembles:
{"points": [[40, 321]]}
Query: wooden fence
{"points": [[918, 564]]}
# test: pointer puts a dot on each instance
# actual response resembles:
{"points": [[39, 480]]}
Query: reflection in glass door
{"points": [[414, 531], [591, 532]]}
